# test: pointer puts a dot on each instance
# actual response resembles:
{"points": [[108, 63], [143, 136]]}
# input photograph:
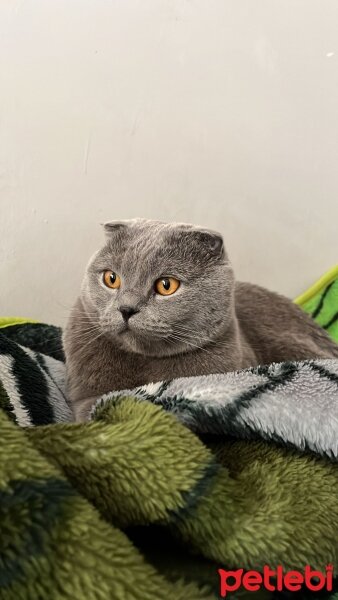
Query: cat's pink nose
{"points": [[127, 311]]}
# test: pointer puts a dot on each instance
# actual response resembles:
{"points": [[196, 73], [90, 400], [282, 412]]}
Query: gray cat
{"points": [[160, 301]]}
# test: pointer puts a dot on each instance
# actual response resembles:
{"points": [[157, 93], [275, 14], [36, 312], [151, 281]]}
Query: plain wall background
{"points": [[218, 112]]}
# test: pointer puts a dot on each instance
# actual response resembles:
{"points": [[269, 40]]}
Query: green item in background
{"points": [[321, 302]]}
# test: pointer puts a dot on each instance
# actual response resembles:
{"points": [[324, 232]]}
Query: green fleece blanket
{"points": [[167, 484]]}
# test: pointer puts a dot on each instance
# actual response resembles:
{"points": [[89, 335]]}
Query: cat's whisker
{"points": [[60, 346], [84, 315], [88, 315], [63, 305], [185, 340], [86, 335], [190, 332], [67, 312], [87, 319], [193, 334], [189, 344], [92, 340], [157, 332], [87, 326], [188, 339], [185, 328]]}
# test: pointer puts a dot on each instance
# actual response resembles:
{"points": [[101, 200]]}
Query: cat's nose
{"points": [[127, 311]]}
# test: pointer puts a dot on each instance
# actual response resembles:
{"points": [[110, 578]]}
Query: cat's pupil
{"points": [[113, 277], [166, 284]]}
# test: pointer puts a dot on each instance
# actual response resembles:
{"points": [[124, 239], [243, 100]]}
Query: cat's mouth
{"points": [[150, 341], [136, 336], [124, 328]]}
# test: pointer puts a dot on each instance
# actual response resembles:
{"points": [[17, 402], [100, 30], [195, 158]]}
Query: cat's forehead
{"points": [[142, 238], [156, 247], [149, 244], [142, 230], [153, 247]]}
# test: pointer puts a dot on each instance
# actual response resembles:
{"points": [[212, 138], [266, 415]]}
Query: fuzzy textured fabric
{"points": [[291, 404], [167, 483], [32, 374]]}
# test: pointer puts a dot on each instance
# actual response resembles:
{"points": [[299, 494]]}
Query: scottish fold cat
{"points": [[160, 300]]}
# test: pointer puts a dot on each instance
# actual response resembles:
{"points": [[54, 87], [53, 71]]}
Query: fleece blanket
{"points": [[167, 484]]}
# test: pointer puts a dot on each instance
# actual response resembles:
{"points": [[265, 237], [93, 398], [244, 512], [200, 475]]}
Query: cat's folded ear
{"points": [[211, 241], [113, 227]]}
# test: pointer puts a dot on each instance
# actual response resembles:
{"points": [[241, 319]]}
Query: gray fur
{"points": [[210, 325]]}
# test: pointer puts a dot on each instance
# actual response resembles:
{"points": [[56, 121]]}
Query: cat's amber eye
{"points": [[111, 280], [166, 286]]}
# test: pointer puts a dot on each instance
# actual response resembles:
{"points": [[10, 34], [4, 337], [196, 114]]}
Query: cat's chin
{"points": [[155, 347]]}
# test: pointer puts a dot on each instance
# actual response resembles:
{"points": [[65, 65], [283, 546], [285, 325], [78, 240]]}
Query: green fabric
{"points": [[71, 493], [323, 306], [9, 321], [57, 483]]}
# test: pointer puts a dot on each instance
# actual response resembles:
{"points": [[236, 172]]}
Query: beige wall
{"points": [[219, 112]]}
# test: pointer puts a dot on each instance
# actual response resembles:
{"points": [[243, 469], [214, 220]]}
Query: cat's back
{"points": [[277, 329]]}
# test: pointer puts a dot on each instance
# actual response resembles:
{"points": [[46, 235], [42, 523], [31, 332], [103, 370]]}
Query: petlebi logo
{"points": [[275, 580]]}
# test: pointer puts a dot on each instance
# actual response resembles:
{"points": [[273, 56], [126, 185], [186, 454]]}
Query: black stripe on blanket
{"points": [[46, 339], [5, 403], [30, 381], [225, 419], [286, 374], [191, 498], [324, 372]]}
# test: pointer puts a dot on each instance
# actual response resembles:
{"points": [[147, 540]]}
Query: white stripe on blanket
{"points": [[294, 403]]}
